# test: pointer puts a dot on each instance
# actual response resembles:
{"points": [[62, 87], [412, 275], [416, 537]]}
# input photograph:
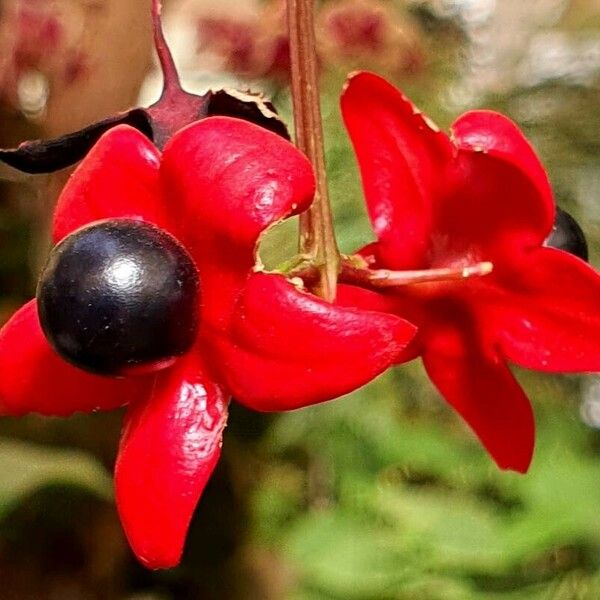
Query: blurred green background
{"points": [[383, 494]]}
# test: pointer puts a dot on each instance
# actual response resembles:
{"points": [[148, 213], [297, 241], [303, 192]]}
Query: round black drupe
{"points": [[119, 296], [567, 235]]}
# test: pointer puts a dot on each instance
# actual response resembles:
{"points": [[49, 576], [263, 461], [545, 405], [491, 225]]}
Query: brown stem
{"points": [[384, 278], [317, 238]]}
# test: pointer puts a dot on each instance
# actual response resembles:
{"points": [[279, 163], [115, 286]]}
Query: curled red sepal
{"points": [[480, 195], [170, 446], [34, 379], [119, 178], [218, 184], [312, 351]]}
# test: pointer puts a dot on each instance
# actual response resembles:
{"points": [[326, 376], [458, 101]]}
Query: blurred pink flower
{"points": [[255, 45], [232, 40], [360, 33], [37, 35], [350, 33]]}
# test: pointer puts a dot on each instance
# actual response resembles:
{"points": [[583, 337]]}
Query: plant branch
{"points": [[385, 278], [317, 238]]}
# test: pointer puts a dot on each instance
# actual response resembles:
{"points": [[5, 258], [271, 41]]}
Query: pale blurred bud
{"points": [[369, 34], [231, 41]]}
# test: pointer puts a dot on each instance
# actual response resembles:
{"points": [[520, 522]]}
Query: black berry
{"points": [[119, 296], [567, 235]]}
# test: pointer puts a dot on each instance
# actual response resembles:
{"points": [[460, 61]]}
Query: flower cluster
{"points": [[153, 297]]}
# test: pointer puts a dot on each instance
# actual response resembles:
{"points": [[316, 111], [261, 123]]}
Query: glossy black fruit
{"points": [[119, 296], [567, 235]]}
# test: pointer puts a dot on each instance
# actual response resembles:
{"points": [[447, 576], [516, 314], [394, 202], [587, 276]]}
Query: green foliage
{"points": [[26, 469], [382, 495]]}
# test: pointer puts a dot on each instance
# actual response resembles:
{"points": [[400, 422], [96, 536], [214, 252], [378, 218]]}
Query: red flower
{"points": [[218, 184], [479, 195]]}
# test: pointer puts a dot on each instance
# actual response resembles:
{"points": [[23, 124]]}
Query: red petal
{"points": [[33, 378], [349, 295], [231, 180], [401, 155], [169, 449], [496, 135], [288, 349], [118, 178], [475, 381], [499, 201], [551, 319]]}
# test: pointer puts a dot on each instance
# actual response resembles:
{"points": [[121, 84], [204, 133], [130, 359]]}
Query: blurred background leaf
{"points": [[26, 468]]}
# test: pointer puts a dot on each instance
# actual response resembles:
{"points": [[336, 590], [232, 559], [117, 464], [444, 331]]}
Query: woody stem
{"points": [[317, 238]]}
